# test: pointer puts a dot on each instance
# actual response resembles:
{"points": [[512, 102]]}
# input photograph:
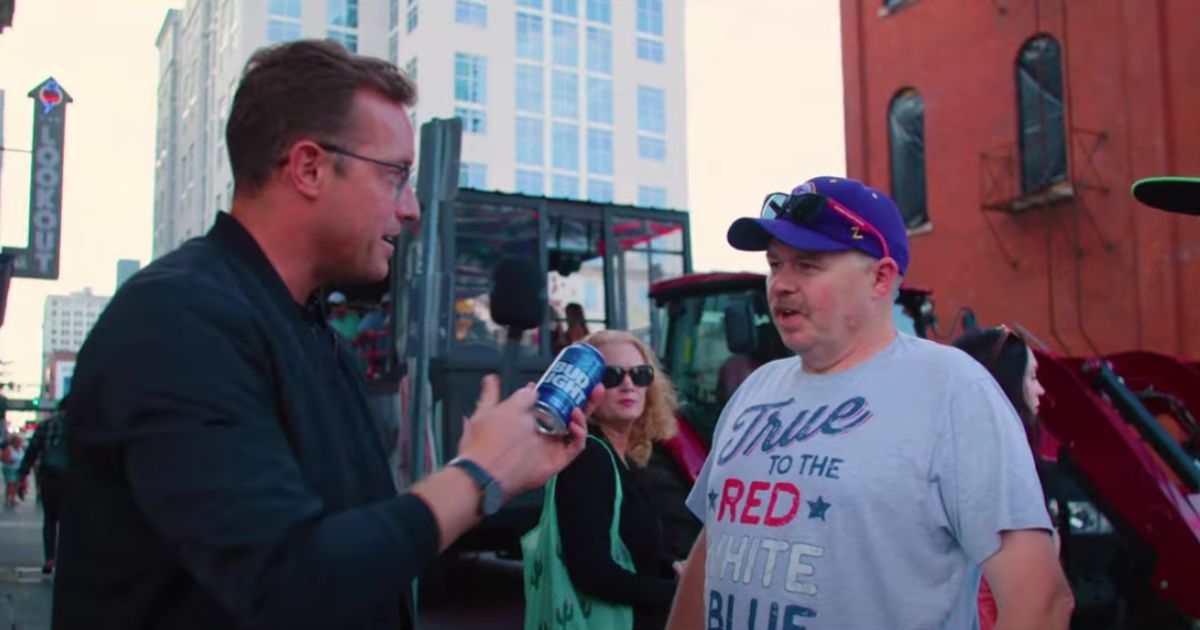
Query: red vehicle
{"points": [[1119, 435]]}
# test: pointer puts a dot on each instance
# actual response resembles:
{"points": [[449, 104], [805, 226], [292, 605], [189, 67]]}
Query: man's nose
{"points": [[781, 282], [408, 209]]}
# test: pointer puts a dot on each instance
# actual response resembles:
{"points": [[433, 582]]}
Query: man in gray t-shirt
{"points": [[869, 482]]}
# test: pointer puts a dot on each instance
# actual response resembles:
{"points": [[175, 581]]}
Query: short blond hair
{"points": [[657, 422]]}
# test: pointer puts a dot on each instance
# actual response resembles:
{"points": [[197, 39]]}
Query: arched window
{"points": [[906, 132], [1042, 122]]}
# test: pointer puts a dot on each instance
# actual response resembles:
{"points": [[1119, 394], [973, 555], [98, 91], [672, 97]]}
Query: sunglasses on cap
{"points": [[641, 375], [804, 210]]}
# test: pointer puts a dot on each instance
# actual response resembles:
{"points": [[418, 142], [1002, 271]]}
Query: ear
{"points": [[307, 167], [887, 272]]}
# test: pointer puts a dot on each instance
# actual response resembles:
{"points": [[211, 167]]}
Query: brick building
{"points": [[1010, 131]]}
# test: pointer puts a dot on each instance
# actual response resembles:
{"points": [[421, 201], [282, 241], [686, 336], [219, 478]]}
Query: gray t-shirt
{"points": [[865, 499]]}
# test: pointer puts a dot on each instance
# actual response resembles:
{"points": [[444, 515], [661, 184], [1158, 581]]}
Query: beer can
{"points": [[567, 385]]}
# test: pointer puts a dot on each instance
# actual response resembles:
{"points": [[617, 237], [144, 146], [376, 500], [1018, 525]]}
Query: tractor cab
{"points": [[595, 262]]}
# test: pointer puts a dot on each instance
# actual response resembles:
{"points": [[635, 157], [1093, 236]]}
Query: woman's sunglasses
{"points": [[641, 376], [1005, 333], [804, 209]]}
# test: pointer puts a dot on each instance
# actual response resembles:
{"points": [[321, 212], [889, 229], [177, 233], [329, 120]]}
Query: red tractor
{"points": [[1119, 437]]}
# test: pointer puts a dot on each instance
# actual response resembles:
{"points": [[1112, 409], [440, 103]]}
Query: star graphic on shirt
{"points": [[712, 500], [817, 509]]}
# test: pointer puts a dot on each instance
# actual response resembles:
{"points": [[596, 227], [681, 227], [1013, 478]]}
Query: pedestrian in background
{"points": [[603, 492], [47, 457]]}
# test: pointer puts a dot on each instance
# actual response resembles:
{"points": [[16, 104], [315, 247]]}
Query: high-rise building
{"points": [[66, 321], [202, 50], [565, 98], [125, 269], [68, 318]]}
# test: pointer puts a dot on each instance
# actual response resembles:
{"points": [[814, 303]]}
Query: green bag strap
{"points": [[549, 509], [614, 530]]}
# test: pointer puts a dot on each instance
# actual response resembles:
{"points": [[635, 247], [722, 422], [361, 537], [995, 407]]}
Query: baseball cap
{"points": [[1173, 194], [867, 221], [336, 298]]}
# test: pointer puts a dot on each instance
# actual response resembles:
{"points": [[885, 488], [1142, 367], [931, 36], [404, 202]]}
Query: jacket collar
{"points": [[229, 234]]}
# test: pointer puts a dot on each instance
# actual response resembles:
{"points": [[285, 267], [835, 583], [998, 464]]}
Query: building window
{"points": [[279, 31], [565, 146], [530, 93], [650, 17], [470, 12], [529, 37], [410, 69], [473, 120], [529, 141], [652, 123], [564, 186], [348, 40], [472, 175], [569, 8], [600, 100], [284, 8], [652, 197], [343, 13], [906, 133], [600, 190], [651, 109], [394, 48], [599, 50], [651, 148], [650, 50], [600, 151], [393, 15], [564, 91], [532, 4], [529, 183], [599, 11], [565, 40], [1042, 117], [470, 78], [412, 16]]}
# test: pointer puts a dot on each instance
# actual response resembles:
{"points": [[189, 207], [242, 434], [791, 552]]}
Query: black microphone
{"points": [[518, 302]]}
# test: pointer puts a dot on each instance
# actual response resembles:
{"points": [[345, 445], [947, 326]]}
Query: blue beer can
{"points": [[567, 385]]}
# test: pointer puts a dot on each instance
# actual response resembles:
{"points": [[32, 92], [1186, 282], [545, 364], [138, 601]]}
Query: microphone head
{"points": [[518, 297]]}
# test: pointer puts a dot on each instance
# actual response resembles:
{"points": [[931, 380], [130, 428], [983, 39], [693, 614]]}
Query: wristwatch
{"points": [[493, 495]]}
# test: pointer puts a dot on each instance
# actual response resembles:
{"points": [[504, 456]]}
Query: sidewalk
{"points": [[24, 592]]}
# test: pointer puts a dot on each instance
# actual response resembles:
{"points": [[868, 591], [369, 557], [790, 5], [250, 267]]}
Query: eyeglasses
{"points": [[403, 172], [641, 376], [804, 209]]}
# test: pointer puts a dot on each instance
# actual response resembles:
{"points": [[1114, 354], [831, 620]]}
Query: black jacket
{"points": [[225, 470], [48, 443]]}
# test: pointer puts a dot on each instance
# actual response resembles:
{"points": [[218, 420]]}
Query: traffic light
{"points": [[37, 403]]}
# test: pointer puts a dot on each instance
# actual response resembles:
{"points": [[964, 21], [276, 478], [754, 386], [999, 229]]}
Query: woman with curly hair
{"points": [[637, 410]]}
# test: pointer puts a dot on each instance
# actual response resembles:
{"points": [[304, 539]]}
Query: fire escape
{"points": [[1008, 187]]}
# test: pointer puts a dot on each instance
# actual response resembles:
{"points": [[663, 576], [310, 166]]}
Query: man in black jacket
{"points": [[47, 457], [225, 471]]}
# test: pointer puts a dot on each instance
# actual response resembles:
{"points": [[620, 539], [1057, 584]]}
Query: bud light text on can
{"points": [[567, 385]]}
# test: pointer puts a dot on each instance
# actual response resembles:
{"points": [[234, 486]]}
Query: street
{"points": [[24, 591], [483, 592]]}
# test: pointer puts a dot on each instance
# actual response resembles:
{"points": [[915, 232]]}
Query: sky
{"points": [[752, 129]]}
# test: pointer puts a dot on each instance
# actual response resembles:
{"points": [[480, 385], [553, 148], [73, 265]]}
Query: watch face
{"points": [[492, 498]]}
